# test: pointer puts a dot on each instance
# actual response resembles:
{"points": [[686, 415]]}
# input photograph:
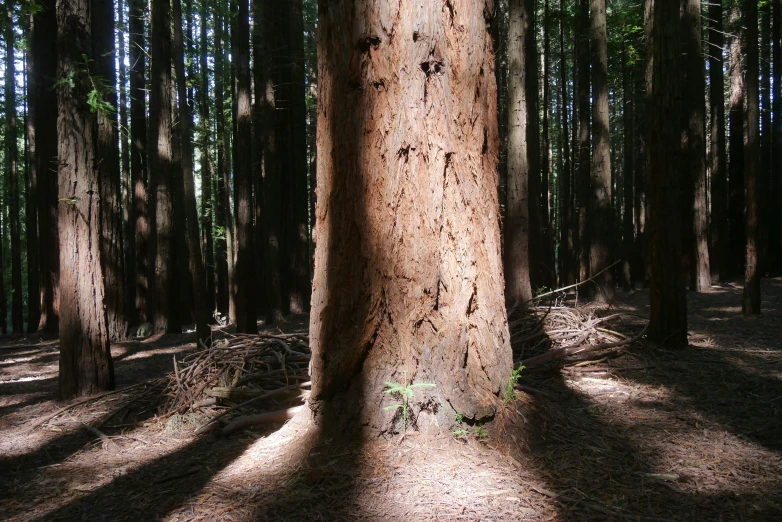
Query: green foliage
{"points": [[481, 432], [404, 392], [462, 431], [510, 386]]}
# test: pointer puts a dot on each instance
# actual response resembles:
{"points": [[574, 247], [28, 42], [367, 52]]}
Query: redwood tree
{"points": [[718, 160], [85, 359], [408, 273]]}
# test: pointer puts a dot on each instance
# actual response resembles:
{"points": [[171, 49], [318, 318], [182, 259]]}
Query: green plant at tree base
{"points": [[460, 432], [510, 387], [404, 392], [481, 432]]}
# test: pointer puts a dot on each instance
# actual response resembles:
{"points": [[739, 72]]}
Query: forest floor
{"points": [[646, 435]]}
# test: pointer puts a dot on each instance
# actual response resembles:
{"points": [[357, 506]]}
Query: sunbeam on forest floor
{"points": [[646, 434]]}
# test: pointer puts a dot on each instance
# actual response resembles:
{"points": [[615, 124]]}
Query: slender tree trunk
{"points": [[776, 133], [139, 219], [517, 225], [207, 238], [538, 272], [751, 300], [694, 146], [718, 152], [128, 220], [244, 274], [583, 179], [640, 201], [547, 244], [628, 237], [566, 238], [198, 275], [668, 320], [31, 194], [223, 221], [429, 305], [102, 17], [765, 187], [12, 171], [161, 169], [601, 215], [736, 187], [85, 359]]}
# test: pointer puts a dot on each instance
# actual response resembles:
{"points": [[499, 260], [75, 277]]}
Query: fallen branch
{"points": [[566, 288], [248, 421], [535, 391]]}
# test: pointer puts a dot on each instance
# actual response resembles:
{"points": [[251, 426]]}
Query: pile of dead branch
{"points": [[240, 372], [547, 338]]}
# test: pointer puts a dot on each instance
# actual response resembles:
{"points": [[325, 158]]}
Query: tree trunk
{"points": [[223, 220], [12, 171], [207, 208], [628, 113], [765, 187], [102, 16], [751, 300], [128, 220], [538, 273], [197, 272], [668, 319], [412, 214], [720, 245], [583, 179], [244, 275], [517, 224], [546, 225], [139, 217], [736, 187], [601, 215], [776, 133], [694, 146], [161, 169], [566, 238], [85, 359], [31, 195]]}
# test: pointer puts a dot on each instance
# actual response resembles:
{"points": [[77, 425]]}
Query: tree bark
{"points": [[751, 298], [718, 152], [583, 179], [85, 359], [102, 17], [601, 214], [412, 213], [566, 239], [128, 220], [668, 318], [223, 219], [517, 225], [546, 224], [538, 272], [161, 170], [694, 146], [244, 275], [140, 217], [736, 200], [12, 171], [31, 195]]}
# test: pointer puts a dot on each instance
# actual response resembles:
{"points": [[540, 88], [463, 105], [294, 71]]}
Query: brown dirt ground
{"points": [[648, 435]]}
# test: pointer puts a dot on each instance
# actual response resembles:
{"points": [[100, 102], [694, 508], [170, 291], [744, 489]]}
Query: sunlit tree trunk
{"points": [[718, 151], [408, 273], [601, 217], [694, 147], [751, 299], [736, 199], [517, 224], [85, 359], [668, 319]]}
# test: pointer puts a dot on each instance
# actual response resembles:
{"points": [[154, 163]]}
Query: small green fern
{"points": [[404, 392], [510, 387]]}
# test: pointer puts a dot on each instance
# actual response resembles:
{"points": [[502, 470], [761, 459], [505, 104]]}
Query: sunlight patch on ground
{"points": [[137, 354]]}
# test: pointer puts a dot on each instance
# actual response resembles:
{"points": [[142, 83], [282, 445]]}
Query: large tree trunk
{"points": [[517, 223], [668, 319], [751, 299], [12, 172], [776, 133], [694, 146], [207, 207], [102, 15], [566, 237], [198, 276], [583, 180], [412, 214], [718, 152], [244, 275], [138, 164], [628, 236], [161, 170], [43, 54], [601, 219], [85, 359], [736, 199]]}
